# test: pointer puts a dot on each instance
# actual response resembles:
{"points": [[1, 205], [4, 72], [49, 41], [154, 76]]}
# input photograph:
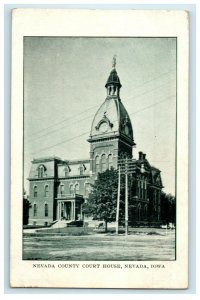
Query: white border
{"points": [[99, 23]]}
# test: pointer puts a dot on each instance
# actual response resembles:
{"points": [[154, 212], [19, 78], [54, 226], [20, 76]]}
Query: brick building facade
{"points": [[58, 188]]}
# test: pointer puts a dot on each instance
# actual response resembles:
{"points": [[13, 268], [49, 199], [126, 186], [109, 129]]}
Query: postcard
{"points": [[99, 149]]}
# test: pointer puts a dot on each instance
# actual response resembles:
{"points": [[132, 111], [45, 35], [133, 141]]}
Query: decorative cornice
{"points": [[58, 178], [121, 137], [42, 178], [74, 177]]}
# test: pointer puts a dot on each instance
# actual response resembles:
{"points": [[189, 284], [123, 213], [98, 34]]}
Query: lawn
{"points": [[81, 244]]}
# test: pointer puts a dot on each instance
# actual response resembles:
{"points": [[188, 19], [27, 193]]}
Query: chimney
{"points": [[140, 155]]}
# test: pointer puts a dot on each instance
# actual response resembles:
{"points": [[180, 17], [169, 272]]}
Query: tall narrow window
{"points": [[110, 162], [145, 184], [87, 189], [103, 162], [97, 160], [76, 188], [138, 188], [35, 191], [62, 189], [145, 211], [155, 197], [46, 191], [71, 189], [145, 189], [46, 210], [155, 201], [139, 211], [35, 210], [142, 188]]}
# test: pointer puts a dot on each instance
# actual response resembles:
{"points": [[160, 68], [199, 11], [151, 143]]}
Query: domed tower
{"points": [[111, 135]]}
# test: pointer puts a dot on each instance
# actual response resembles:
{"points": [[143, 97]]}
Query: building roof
{"points": [[112, 119], [45, 159]]}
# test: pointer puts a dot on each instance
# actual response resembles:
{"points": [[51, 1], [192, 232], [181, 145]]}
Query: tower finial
{"points": [[114, 61]]}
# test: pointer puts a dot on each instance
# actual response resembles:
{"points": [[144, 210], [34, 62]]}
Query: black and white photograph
{"points": [[99, 148], [99, 179]]}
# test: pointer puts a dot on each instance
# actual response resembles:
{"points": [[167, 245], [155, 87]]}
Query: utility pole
{"points": [[118, 200], [125, 167], [126, 197]]}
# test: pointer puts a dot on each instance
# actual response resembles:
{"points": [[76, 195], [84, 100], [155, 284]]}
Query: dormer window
{"points": [[66, 170], [81, 170], [41, 170]]}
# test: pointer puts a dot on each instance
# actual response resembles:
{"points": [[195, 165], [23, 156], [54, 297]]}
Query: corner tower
{"points": [[111, 135]]}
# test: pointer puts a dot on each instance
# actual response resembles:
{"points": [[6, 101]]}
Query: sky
{"points": [[64, 85]]}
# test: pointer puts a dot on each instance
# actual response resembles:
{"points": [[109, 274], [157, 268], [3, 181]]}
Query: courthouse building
{"points": [[59, 187]]}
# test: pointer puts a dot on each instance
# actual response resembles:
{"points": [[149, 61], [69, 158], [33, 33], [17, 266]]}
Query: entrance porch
{"points": [[69, 207]]}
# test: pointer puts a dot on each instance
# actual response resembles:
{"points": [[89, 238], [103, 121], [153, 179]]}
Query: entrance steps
{"points": [[60, 223]]}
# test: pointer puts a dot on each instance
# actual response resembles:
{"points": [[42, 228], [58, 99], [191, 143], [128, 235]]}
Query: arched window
{"points": [[62, 189], [46, 210], [142, 188], [35, 191], [110, 162], [145, 188], [41, 171], [97, 160], [76, 188], [122, 155], [155, 197], [87, 189], [71, 189], [142, 183], [155, 201], [103, 162], [138, 188], [125, 155], [35, 210], [46, 190]]}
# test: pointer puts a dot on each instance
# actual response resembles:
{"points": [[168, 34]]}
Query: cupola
{"points": [[113, 84]]}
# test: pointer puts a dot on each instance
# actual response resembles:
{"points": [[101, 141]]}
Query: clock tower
{"points": [[111, 135]]}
